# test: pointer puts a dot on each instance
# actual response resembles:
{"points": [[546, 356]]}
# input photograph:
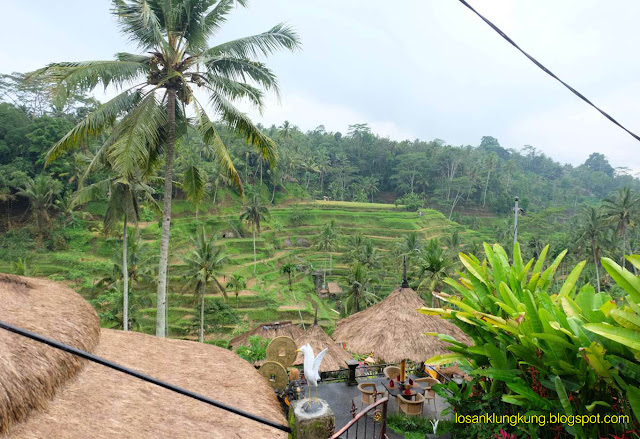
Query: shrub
{"points": [[411, 202], [256, 351], [569, 351]]}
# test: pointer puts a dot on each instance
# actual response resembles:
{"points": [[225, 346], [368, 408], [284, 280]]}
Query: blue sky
{"points": [[411, 69]]}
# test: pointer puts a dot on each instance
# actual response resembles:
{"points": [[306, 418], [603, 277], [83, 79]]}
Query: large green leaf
{"points": [[506, 375], [629, 283], [626, 319], [626, 368], [633, 395], [523, 389], [570, 282], [562, 396], [545, 278], [625, 336]]}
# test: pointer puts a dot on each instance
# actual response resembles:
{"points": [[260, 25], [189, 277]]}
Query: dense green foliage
{"points": [[542, 347]]}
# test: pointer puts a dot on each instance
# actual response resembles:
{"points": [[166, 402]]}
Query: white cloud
{"points": [[307, 112]]}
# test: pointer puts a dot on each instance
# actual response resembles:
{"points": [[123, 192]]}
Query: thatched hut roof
{"points": [[30, 372], [268, 331], [318, 339], [102, 403], [334, 288], [393, 329]]}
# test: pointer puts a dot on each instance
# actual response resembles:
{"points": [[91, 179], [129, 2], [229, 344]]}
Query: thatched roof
{"points": [[102, 403], [268, 331], [30, 372], [318, 339], [392, 329], [334, 288]]}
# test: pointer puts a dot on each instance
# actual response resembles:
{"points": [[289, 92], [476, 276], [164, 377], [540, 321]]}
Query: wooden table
{"points": [[395, 390]]}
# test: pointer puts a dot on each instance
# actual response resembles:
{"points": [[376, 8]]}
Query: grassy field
{"points": [[90, 255]]}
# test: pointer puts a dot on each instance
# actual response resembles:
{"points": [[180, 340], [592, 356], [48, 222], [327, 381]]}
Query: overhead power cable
{"points": [[141, 376], [546, 70]]}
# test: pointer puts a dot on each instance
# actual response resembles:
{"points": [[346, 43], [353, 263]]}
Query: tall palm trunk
{"points": [[202, 315], [486, 186], [595, 261], [624, 245], [166, 216], [255, 260], [330, 263], [125, 277], [324, 272]]}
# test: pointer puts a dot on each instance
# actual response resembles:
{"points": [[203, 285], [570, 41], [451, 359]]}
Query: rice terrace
{"points": [[238, 221]]}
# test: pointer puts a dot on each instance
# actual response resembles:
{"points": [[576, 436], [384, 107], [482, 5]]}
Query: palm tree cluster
{"points": [[609, 229], [163, 93]]}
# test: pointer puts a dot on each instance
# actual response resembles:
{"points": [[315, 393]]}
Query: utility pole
{"points": [[515, 222]]}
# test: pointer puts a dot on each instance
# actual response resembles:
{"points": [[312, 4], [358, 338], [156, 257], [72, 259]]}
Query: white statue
{"points": [[312, 366]]}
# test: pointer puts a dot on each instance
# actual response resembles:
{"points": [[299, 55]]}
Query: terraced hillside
{"points": [[289, 236]]}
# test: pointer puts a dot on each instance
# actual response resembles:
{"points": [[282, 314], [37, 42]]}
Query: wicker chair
{"points": [[391, 372], [411, 408], [428, 381], [368, 394], [431, 395]]}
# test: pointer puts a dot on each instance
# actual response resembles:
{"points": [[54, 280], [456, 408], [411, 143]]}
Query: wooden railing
{"points": [[371, 422]]}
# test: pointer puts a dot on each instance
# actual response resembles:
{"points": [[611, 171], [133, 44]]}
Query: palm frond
{"points": [[193, 184], [210, 135], [92, 192], [234, 90], [218, 15], [278, 37], [133, 57], [241, 124], [68, 76], [140, 21], [129, 144], [239, 69], [95, 123]]}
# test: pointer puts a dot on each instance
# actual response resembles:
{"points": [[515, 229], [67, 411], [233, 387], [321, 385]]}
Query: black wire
{"points": [[147, 378], [546, 70]]}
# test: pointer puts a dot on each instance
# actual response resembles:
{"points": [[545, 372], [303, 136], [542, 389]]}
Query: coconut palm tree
{"points": [[236, 283], [411, 246], [622, 210], [434, 265], [369, 256], [41, 192], [359, 288], [122, 205], [327, 243], [370, 186], [453, 242], [203, 265], [353, 246], [147, 116], [135, 265], [289, 268], [254, 213], [593, 228]]}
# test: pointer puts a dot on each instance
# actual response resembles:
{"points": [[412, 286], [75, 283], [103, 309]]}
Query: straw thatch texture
{"points": [[104, 404], [392, 330], [318, 339], [268, 331], [30, 372], [334, 288]]}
